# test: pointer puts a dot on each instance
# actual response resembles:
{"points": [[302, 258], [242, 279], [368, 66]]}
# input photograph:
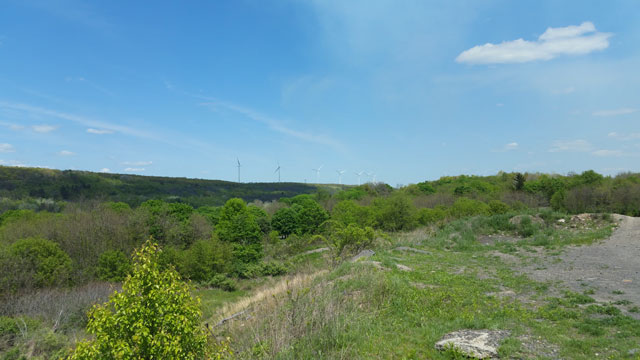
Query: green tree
{"points": [[394, 213], [518, 181], [285, 221], [239, 227], [153, 317], [40, 261], [113, 265]]}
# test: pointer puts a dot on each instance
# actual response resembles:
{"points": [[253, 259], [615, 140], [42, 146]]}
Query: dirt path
{"points": [[611, 267]]}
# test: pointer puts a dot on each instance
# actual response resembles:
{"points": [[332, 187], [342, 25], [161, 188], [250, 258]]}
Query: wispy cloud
{"points": [[6, 148], [131, 169], [137, 163], [99, 131], [511, 146], [274, 124], [624, 137], [66, 153], [43, 129], [12, 126], [82, 80], [607, 153], [81, 120], [105, 170], [571, 40], [571, 146], [615, 112]]}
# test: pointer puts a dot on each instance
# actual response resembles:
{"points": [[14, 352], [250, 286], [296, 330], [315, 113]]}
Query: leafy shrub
{"points": [[526, 227], [273, 268], [349, 212], [464, 207], [285, 221], [426, 188], [250, 271], [153, 317], [113, 265], [394, 213], [500, 222], [205, 259], [497, 207], [38, 262], [350, 238], [557, 200], [222, 282], [428, 216]]}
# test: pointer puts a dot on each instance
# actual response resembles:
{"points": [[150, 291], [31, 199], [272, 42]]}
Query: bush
{"points": [[153, 317], [35, 262], [285, 221], [526, 227], [113, 265], [205, 259], [497, 207], [350, 238], [464, 207], [250, 271], [394, 213], [431, 216], [222, 282]]}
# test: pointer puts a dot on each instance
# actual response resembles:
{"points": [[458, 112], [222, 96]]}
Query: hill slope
{"points": [[70, 185]]}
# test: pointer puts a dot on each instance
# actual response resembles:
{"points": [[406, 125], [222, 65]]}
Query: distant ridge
{"points": [[73, 185]]}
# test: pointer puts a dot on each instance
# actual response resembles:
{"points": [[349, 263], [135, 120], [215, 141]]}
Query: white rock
{"points": [[481, 344]]}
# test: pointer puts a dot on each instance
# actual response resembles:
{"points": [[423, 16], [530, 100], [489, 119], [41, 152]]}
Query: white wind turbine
{"points": [[278, 171], [238, 169], [318, 173], [359, 174], [340, 172]]}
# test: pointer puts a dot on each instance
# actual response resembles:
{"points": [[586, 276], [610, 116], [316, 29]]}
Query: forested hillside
{"points": [[70, 185]]}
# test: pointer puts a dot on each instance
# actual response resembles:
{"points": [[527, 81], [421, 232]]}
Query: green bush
{"points": [[428, 216], [526, 227], [222, 282], [153, 317], [113, 265], [464, 207], [394, 213], [500, 222], [343, 239], [36, 262], [497, 207], [205, 259], [349, 212], [285, 221]]}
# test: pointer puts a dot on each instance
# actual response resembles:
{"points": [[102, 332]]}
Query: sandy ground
{"points": [[610, 267]]}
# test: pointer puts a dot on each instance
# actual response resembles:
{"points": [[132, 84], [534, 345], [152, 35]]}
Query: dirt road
{"points": [[610, 267]]}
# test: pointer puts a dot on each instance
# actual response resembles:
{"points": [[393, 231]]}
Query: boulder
{"points": [[363, 254], [480, 344]]}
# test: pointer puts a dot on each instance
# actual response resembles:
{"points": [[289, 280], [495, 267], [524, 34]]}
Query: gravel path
{"points": [[610, 267]]}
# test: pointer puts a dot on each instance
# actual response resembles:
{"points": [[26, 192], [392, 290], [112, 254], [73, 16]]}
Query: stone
{"points": [[403, 267], [480, 344], [315, 251], [363, 254], [406, 248]]}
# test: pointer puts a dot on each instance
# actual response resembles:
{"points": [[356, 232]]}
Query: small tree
{"points": [[518, 181], [153, 317]]}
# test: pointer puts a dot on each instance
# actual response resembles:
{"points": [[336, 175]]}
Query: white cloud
{"points": [[615, 112], [105, 170], [606, 153], [570, 145], [12, 126], [138, 163], [6, 148], [570, 40], [66, 153], [43, 128], [130, 169], [99, 131], [511, 146], [630, 136]]}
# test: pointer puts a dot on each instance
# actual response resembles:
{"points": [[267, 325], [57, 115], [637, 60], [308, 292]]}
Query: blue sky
{"points": [[406, 90]]}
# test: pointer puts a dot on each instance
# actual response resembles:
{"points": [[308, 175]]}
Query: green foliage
{"points": [[113, 265], [427, 216], [346, 239], [349, 212], [250, 271], [310, 214], [12, 215], [237, 224], [153, 317], [394, 213], [285, 221], [526, 227], [464, 207], [35, 262], [426, 188], [519, 181], [497, 207], [211, 213], [205, 259], [557, 200], [222, 282], [262, 218]]}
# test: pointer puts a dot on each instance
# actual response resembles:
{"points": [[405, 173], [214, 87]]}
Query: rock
{"points": [[561, 221], [481, 344], [315, 251], [406, 248], [403, 267], [633, 351], [363, 254]]}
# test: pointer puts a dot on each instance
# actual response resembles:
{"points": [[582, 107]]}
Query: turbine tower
{"points": [[340, 172], [278, 171], [359, 174], [238, 169], [318, 173]]}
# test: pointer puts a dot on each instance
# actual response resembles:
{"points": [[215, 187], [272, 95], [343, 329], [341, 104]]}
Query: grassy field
{"points": [[398, 303]]}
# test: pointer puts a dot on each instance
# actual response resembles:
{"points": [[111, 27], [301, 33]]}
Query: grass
{"points": [[361, 311]]}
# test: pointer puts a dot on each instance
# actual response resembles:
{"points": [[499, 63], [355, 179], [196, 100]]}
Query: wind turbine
{"points": [[372, 176], [318, 173], [340, 172], [278, 171], [238, 169], [359, 175]]}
